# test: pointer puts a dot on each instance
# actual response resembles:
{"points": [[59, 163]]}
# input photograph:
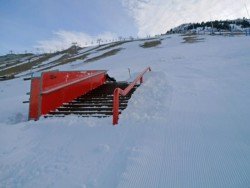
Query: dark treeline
{"points": [[221, 25]]}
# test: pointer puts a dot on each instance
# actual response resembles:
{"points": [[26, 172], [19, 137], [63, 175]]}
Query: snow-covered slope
{"points": [[186, 126]]}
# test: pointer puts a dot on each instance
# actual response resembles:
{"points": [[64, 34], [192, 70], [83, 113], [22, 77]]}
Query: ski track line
{"points": [[115, 166], [145, 163]]}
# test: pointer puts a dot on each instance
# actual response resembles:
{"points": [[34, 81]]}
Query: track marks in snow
{"points": [[146, 158], [187, 127]]}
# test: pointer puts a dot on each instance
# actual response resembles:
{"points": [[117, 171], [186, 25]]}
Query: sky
{"points": [[49, 25]]}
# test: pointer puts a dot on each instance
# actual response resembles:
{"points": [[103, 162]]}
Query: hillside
{"points": [[21, 65], [16, 65], [186, 126]]}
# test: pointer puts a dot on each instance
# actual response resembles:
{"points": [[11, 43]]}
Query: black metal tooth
{"points": [[63, 115], [83, 109], [92, 105], [81, 113]]}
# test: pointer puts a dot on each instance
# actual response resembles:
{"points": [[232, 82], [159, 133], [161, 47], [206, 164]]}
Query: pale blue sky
{"points": [[24, 22], [54, 24]]}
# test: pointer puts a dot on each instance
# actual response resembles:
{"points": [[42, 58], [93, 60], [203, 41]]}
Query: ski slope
{"points": [[186, 126]]}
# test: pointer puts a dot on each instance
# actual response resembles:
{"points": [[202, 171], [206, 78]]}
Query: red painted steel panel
{"points": [[55, 88], [54, 79], [34, 108], [62, 88]]}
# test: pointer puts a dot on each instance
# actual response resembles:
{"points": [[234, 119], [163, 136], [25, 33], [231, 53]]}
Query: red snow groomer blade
{"points": [[52, 89]]}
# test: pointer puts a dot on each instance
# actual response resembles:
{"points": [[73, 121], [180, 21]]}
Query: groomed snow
{"points": [[186, 126]]}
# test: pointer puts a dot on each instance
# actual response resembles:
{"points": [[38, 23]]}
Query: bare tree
{"points": [[99, 41]]}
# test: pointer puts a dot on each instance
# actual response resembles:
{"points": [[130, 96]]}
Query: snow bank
{"points": [[150, 102], [12, 95]]}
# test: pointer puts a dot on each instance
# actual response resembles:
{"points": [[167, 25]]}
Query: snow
{"points": [[186, 126], [23, 61], [52, 59]]}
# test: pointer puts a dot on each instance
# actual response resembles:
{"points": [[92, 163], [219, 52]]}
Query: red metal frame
{"points": [[34, 105], [119, 91], [52, 89]]}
